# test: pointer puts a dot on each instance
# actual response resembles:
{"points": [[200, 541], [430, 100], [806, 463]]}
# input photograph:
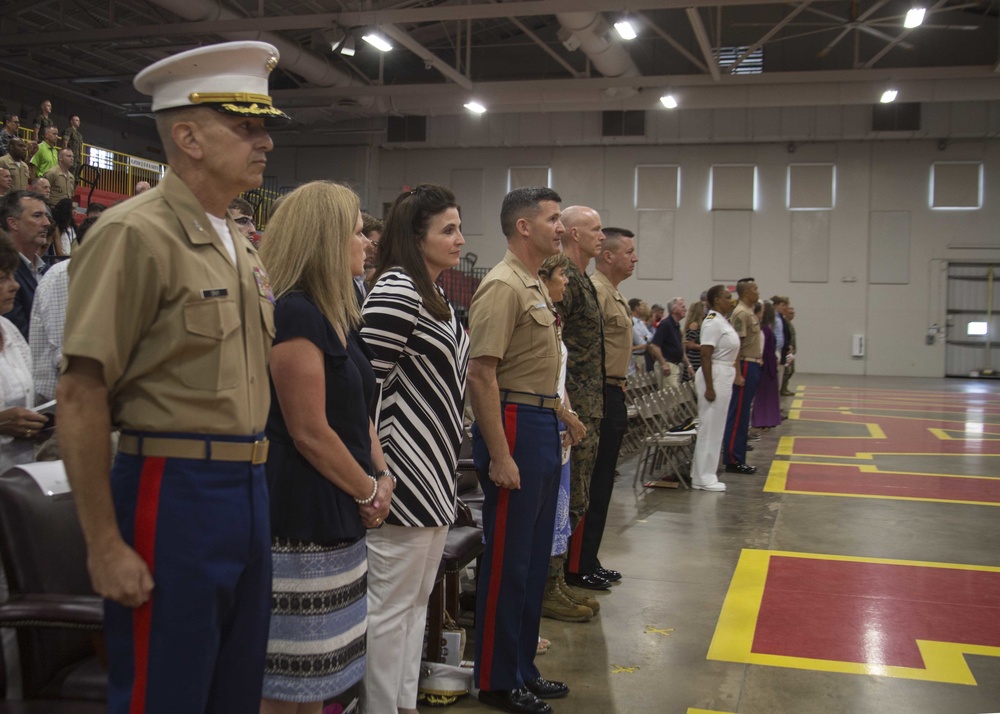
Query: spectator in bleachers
{"points": [[6, 181], [87, 224], [61, 178], [72, 139], [95, 209], [14, 161], [41, 185], [141, 187], [241, 212], [47, 156], [421, 359], [43, 121], [62, 219], [18, 423], [26, 222], [11, 123], [48, 317]]}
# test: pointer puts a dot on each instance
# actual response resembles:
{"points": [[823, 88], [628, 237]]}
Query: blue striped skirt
{"points": [[316, 645]]}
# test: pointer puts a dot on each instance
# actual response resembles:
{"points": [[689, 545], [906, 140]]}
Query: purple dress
{"points": [[766, 403]]}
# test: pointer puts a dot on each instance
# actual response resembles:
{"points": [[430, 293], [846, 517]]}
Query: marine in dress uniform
{"points": [[615, 264], [747, 326], [168, 331], [513, 377], [719, 347]]}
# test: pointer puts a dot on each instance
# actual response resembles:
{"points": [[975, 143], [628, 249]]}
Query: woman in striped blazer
{"points": [[421, 356]]}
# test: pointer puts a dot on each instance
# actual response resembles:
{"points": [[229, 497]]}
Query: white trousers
{"points": [[711, 423], [402, 565], [674, 378]]}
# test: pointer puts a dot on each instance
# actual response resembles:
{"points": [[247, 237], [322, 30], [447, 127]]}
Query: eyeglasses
{"points": [[244, 221]]}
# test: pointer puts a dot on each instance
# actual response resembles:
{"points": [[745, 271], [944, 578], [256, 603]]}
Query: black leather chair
{"points": [[464, 544], [59, 618]]}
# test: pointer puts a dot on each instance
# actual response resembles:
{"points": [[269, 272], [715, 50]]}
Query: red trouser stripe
{"points": [[739, 408], [147, 506], [496, 569], [576, 546]]}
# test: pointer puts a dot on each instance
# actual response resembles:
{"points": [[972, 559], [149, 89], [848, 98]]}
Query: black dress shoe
{"points": [[612, 576], [519, 701], [544, 689], [590, 581], [740, 469]]}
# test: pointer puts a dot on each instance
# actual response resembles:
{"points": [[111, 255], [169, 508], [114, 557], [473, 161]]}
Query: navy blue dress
{"points": [[305, 506]]}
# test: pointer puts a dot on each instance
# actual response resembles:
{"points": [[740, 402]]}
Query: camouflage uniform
{"points": [[74, 142], [583, 334]]}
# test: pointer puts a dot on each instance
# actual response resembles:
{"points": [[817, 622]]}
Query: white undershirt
{"points": [[222, 228]]}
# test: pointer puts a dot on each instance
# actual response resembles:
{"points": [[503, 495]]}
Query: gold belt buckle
{"points": [[259, 455]]}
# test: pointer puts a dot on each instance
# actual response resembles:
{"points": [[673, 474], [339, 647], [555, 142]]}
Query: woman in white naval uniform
{"points": [[714, 386]]}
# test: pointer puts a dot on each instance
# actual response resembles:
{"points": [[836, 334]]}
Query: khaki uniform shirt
{"points": [[63, 185], [19, 172], [183, 334], [747, 326], [511, 318], [583, 335], [617, 326]]}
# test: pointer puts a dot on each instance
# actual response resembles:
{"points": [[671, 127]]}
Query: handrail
{"points": [[119, 172]]}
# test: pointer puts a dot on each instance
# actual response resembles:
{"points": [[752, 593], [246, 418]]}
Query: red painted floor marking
{"points": [[873, 613], [850, 479]]}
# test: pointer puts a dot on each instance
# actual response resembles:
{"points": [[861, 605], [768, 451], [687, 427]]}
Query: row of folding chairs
{"points": [[655, 432]]}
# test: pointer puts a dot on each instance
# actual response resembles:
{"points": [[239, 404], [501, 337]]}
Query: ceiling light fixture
{"points": [[888, 96], [625, 29], [669, 101], [914, 17], [347, 49], [377, 41], [475, 107]]}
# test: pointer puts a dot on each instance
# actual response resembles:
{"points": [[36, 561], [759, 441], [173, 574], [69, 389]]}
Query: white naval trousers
{"points": [[711, 422]]}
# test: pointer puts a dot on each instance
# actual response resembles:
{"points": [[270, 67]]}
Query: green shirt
{"points": [[47, 157]]}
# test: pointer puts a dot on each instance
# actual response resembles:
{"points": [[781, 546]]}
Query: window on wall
{"points": [[753, 64], [956, 185], [100, 158], [521, 176], [811, 187], [657, 188], [733, 187]]}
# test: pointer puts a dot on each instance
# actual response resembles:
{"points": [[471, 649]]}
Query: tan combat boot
{"points": [[558, 606], [577, 595]]}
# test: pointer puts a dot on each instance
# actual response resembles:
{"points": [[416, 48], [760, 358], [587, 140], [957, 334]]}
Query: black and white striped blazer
{"points": [[420, 363]]}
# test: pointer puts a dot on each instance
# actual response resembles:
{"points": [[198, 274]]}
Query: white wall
{"points": [[879, 176], [874, 173]]}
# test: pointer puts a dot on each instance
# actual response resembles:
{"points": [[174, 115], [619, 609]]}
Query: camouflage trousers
{"points": [[581, 467]]}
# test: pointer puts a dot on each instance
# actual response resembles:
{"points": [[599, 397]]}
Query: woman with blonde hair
{"points": [[326, 473]]}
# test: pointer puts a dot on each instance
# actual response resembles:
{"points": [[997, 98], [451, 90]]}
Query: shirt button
{"points": [[253, 380]]}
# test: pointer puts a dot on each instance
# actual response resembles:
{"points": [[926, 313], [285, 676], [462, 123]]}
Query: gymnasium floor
{"points": [[857, 572]]}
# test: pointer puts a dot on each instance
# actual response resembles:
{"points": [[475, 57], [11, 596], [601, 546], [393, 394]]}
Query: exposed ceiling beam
{"points": [[427, 56], [648, 21], [278, 23], [867, 29], [843, 77], [861, 18], [694, 17], [769, 34], [548, 50], [898, 40]]}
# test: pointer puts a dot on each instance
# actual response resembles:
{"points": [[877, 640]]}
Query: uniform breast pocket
{"points": [[617, 325], [543, 334], [213, 349]]}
